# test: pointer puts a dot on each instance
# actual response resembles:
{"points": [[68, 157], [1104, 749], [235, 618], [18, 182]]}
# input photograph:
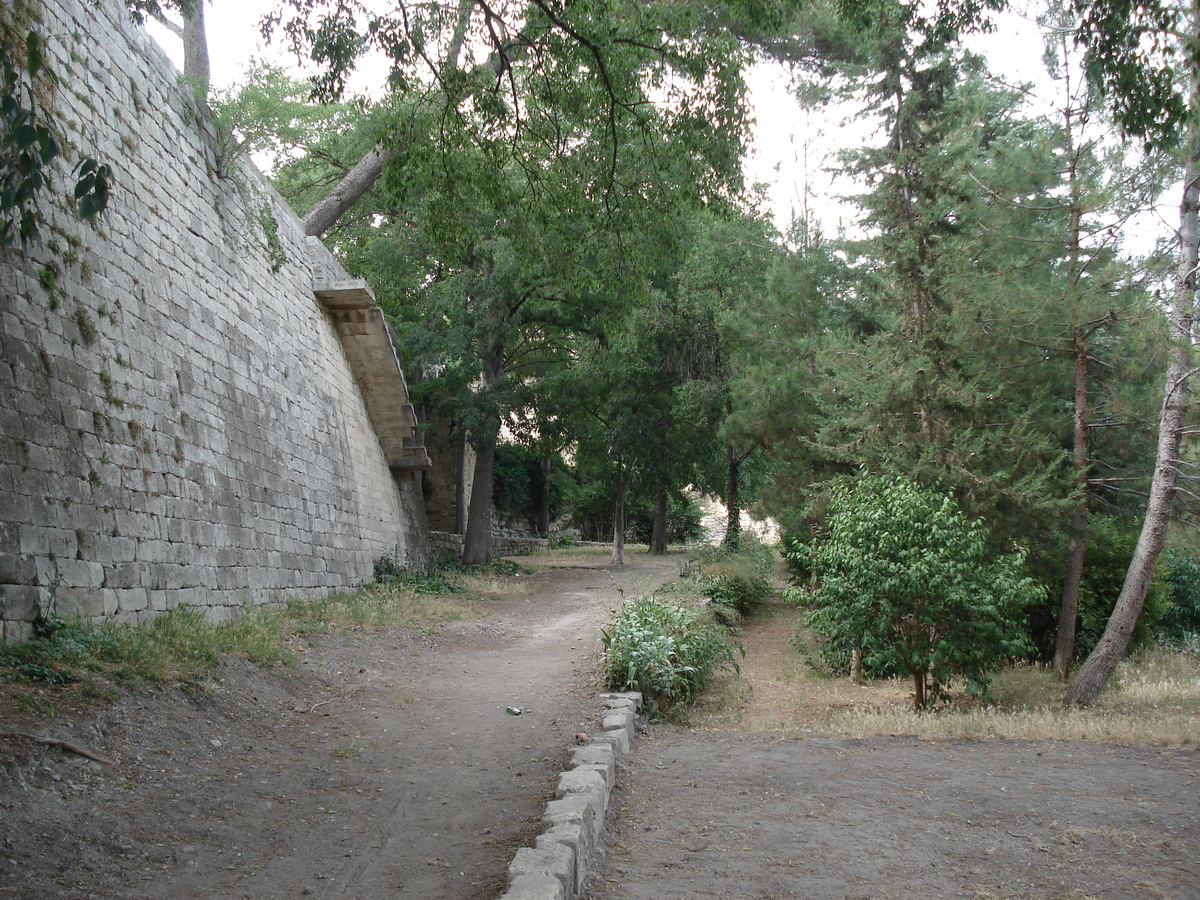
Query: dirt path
{"points": [[733, 809], [385, 765]]}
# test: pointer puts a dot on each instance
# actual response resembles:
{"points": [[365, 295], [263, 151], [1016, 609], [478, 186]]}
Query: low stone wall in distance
{"points": [[502, 544]]}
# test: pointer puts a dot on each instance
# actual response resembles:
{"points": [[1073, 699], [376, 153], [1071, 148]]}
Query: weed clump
{"points": [[667, 651]]}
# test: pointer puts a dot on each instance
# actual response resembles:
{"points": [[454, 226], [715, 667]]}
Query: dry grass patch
{"points": [[568, 557], [1153, 699], [485, 585], [377, 606]]}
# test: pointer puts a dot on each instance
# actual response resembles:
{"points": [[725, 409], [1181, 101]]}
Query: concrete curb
{"points": [[557, 865]]}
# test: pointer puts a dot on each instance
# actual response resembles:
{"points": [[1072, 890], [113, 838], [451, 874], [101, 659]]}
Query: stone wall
{"points": [[179, 418], [502, 544]]}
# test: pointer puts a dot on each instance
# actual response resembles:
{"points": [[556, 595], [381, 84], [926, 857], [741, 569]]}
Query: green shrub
{"points": [[913, 585], [429, 580], [666, 651], [738, 579]]}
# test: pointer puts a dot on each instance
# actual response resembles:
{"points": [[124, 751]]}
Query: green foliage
{"points": [[430, 580], [684, 519], [1180, 622], [591, 511], [667, 651], [736, 578], [907, 580], [517, 484], [180, 645], [29, 145], [1106, 560]]}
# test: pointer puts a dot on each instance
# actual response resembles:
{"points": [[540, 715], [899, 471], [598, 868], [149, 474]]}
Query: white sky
{"points": [[790, 149]]}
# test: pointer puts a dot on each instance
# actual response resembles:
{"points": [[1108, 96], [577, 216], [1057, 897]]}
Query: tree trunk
{"points": [[1069, 609], [856, 667], [1095, 672], [733, 526], [354, 184], [477, 544], [543, 512], [618, 554], [658, 532], [460, 484], [195, 48], [918, 690]]}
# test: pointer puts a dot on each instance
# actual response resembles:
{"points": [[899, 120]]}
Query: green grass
{"points": [[184, 645]]}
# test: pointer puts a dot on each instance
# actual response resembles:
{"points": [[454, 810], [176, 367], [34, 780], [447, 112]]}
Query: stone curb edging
{"points": [[557, 866]]}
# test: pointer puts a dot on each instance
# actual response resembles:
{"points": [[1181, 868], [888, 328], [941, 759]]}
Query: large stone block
{"points": [[19, 602], [550, 858]]}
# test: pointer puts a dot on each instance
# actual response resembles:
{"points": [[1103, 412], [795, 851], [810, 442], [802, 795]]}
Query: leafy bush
{"points": [[906, 580], [738, 579], [667, 651], [429, 580]]}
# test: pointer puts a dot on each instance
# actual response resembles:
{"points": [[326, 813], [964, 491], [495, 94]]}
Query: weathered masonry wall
{"points": [[182, 419]]}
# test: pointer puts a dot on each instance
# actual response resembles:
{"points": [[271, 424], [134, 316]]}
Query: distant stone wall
{"points": [[179, 421], [502, 544]]}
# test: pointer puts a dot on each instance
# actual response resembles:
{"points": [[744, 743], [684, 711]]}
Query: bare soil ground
{"points": [[749, 803], [384, 765]]}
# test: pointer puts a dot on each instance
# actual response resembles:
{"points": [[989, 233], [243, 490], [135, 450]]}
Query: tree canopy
{"points": [[549, 201]]}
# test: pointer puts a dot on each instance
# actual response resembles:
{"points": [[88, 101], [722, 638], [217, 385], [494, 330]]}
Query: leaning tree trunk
{"points": [[325, 214], [658, 531], [1068, 611], [1102, 662]]}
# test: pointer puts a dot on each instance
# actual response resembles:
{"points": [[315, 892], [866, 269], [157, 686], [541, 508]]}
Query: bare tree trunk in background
{"points": [[733, 525], [543, 522], [1069, 609], [460, 484], [658, 532], [477, 542], [1102, 662], [618, 554]]}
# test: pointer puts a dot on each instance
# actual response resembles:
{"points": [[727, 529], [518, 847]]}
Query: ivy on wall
{"points": [[29, 144]]}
